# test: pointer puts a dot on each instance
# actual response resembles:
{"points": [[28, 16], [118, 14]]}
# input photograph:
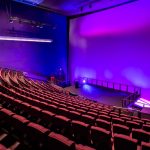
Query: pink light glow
{"points": [[139, 104], [144, 100], [84, 81], [143, 103]]}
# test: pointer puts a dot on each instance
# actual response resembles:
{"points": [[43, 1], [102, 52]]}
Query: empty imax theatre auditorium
{"points": [[74, 74]]}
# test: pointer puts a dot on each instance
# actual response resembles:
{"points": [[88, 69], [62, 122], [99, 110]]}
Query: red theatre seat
{"points": [[118, 121], [59, 142], [146, 121], [47, 118], [6, 119], [83, 147], [19, 124], [123, 142], [88, 119], [35, 113], [121, 129], [81, 132], [146, 127], [101, 138], [74, 115], [36, 135], [103, 124], [133, 124], [93, 114], [63, 111], [105, 117], [62, 125], [141, 135], [52, 108], [2, 147], [145, 146]]}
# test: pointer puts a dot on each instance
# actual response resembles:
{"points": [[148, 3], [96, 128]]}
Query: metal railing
{"points": [[112, 85], [130, 99]]}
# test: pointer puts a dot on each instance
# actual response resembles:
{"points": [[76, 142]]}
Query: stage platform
{"points": [[99, 94]]}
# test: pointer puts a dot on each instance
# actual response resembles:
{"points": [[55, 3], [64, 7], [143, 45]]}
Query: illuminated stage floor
{"points": [[145, 107], [102, 95]]}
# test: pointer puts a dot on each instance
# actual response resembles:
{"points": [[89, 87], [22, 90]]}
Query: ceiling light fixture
{"points": [[30, 22], [23, 39]]}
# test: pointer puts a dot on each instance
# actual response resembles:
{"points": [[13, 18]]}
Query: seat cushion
{"points": [[58, 141], [38, 127], [83, 147]]}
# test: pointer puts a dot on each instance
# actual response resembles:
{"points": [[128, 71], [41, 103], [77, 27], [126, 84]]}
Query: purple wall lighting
{"points": [[113, 45]]}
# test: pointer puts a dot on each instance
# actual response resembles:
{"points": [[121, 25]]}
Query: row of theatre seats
{"points": [[39, 116]]}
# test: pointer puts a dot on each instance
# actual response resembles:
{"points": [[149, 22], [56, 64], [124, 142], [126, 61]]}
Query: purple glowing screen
{"points": [[113, 45]]}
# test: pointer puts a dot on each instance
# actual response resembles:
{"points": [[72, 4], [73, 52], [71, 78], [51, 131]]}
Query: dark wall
{"points": [[38, 58]]}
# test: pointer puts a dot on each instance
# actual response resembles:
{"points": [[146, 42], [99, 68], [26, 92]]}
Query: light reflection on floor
{"points": [[142, 103]]}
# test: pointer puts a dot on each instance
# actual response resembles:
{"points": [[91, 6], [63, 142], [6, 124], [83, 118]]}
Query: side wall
{"points": [[41, 59]]}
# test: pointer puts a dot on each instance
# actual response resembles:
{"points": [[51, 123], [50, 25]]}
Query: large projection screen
{"points": [[113, 45]]}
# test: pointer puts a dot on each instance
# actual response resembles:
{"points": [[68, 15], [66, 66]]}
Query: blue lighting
{"points": [[88, 89], [30, 2]]}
